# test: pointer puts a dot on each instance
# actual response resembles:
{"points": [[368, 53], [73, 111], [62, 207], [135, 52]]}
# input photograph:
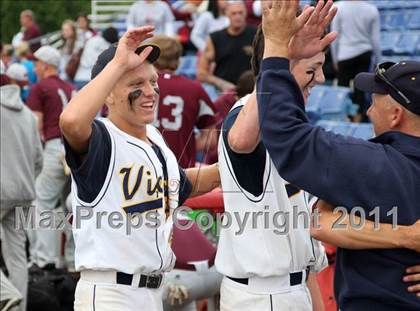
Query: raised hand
{"points": [[125, 55], [307, 41], [280, 24]]}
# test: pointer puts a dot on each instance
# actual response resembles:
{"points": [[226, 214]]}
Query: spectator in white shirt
{"points": [[212, 20], [358, 26], [152, 12], [70, 44], [93, 47]]}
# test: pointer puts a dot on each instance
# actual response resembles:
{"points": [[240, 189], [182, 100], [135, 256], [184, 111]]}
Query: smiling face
{"points": [[135, 96], [308, 73]]}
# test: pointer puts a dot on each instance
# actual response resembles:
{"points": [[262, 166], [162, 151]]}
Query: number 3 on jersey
{"points": [[176, 113]]}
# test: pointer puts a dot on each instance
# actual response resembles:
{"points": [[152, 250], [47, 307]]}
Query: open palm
{"points": [[307, 41], [129, 42]]}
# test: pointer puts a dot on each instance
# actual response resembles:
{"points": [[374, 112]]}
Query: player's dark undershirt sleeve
{"points": [[248, 168], [91, 173], [185, 188]]}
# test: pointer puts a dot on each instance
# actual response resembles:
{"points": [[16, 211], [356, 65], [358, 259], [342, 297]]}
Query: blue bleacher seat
{"points": [[412, 4], [414, 22], [331, 103], [188, 66], [357, 130], [389, 5], [211, 91], [407, 43], [385, 17], [305, 2], [338, 127], [335, 102], [362, 130], [314, 100], [388, 41], [398, 20]]}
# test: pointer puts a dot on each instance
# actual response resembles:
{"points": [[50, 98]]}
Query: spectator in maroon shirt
{"points": [[29, 28], [47, 99], [183, 104], [252, 19]]}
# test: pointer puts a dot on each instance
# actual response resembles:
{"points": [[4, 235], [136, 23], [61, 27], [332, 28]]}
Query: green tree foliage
{"points": [[49, 14]]}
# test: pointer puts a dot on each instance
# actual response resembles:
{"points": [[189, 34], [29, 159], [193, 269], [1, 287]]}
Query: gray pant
{"points": [[45, 243], [13, 249]]}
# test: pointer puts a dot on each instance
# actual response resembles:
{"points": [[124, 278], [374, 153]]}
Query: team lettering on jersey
{"points": [[141, 190]]}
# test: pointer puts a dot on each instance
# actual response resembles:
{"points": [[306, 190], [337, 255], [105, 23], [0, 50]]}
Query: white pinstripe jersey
{"points": [[259, 250]]}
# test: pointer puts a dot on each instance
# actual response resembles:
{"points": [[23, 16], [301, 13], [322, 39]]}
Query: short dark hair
{"points": [[110, 35], [246, 83]]}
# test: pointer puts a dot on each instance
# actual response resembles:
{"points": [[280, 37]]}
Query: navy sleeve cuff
{"points": [[277, 63], [185, 187]]}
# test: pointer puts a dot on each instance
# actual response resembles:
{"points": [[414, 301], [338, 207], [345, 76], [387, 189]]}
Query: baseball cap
{"points": [[48, 55], [17, 72], [399, 80], [106, 56]]}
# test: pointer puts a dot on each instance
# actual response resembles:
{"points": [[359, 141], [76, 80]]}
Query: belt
{"points": [[113, 277], [148, 281], [296, 278]]}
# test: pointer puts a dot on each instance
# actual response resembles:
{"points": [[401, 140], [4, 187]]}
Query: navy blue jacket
{"points": [[349, 172]]}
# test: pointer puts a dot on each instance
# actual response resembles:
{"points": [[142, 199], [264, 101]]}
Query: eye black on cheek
{"points": [[133, 96]]}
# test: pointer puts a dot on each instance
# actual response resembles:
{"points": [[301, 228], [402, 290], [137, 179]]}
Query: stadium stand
{"points": [[358, 130], [407, 44], [188, 66], [414, 22], [389, 41], [331, 103], [107, 13]]}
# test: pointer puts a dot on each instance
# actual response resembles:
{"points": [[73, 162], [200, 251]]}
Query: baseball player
{"points": [[179, 110], [47, 99], [122, 169], [266, 269]]}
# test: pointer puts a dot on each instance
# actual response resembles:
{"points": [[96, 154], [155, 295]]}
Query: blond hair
{"points": [[170, 52], [28, 13]]}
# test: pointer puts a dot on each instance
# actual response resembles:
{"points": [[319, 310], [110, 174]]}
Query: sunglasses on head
{"points": [[380, 74]]}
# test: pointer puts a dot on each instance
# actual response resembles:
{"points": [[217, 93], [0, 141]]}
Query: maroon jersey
{"points": [[183, 105], [49, 96], [32, 33]]}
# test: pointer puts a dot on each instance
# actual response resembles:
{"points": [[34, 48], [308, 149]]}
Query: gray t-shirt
{"points": [[156, 13]]}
